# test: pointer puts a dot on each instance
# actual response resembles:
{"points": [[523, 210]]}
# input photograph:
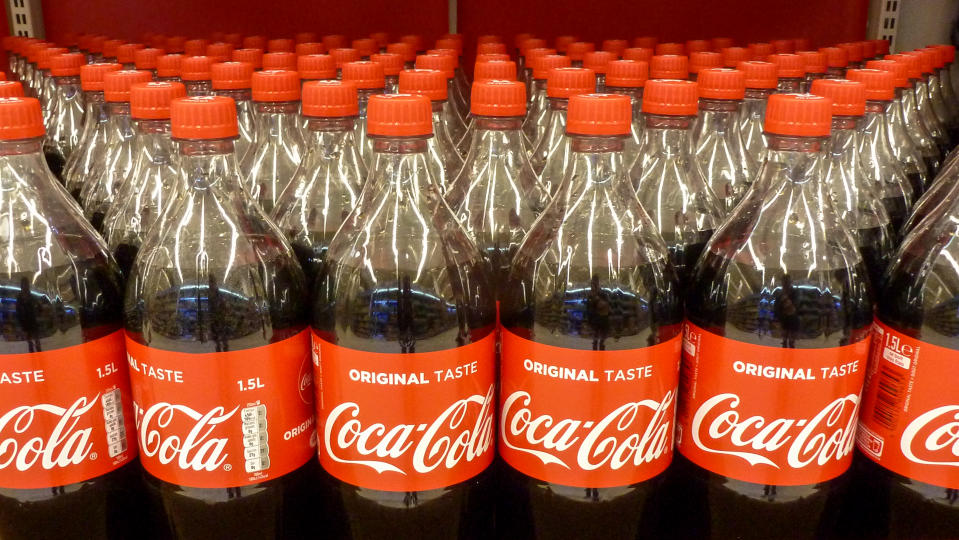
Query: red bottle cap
{"points": [[788, 65], [720, 43], [925, 61], [67, 65], [309, 47], [639, 54], [365, 46], [20, 118], [532, 43], [627, 74], [938, 58], [491, 48], [615, 46], [365, 75], [533, 54], [254, 57], [381, 39], [417, 41], [880, 85], [671, 97], [848, 97], [392, 63], [853, 51], [169, 65], [316, 67], [492, 58], [254, 42], [399, 115], [761, 51], [423, 82], [599, 114], [911, 63], [498, 98], [147, 58], [868, 49], [439, 62], [562, 43], [220, 51], [344, 56], [116, 84], [34, 50], [813, 61], [452, 44], [280, 45], [203, 117], [948, 52], [732, 56], [784, 46], [195, 47], [699, 61], [501, 70], [275, 85], [151, 100], [719, 83], [110, 47], [568, 81], [46, 56], [898, 70], [882, 47], [670, 66], [577, 50], [542, 65], [446, 52], [305, 37], [762, 75], [646, 42], [673, 49], [232, 75], [598, 60], [330, 99], [126, 53], [279, 60], [9, 89], [91, 75], [836, 57], [489, 38], [405, 50], [801, 115], [196, 68], [334, 41]]}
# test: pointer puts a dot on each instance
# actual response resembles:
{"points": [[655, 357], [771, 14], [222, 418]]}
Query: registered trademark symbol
{"points": [[93, 455], [228, 467]]}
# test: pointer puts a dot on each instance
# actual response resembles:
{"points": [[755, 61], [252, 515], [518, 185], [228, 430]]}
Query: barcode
{"points": [[889, 398]]}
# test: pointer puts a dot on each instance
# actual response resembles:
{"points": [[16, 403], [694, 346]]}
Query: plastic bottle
{"points": [[486, 70], [84, 160], [815, 64], [945, 114], [912, 121], [343, 56], [392, 65], [254, 57], [551, 155], [446, 63], [945, 77], [669, 67], [537, 115], [369, 80], [269, 165], [146, 59], [154, 181], [701, 60], [761, 81], [836, 62], [628, 77], [168, 68], [924, 104], [235, 80], [732, 56], [64, 124], [791, 71], [45, 85], [598, 61], [196, 76], [443, 158]]}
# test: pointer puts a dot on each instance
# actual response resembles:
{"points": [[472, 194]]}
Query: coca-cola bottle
{"points": [[906, 474], [458, 109], [551, 155], [761, 80], [369, 80], [115, 161], [443, 157], [927, 114], [815, 64], [497, 196], [591, 317], [859, 204], [531, 47], [67, 425], [946, 116], [537, 116], [392, 65], [253, 57], [404, 337], [269, 164], [327, 185], [937, 198], [46, 88], [911, 120], [154, 180], [64, 124], [898, 190], [777, 334], [854, 54], [628, 77], [168, 68], [93, 139], [195, 72], [668, 182], [147, 59], [598, 61], [791, 72], [235, 80], [215, 317], [489, 67], [945, 77], [836, 62], [716, 138]]}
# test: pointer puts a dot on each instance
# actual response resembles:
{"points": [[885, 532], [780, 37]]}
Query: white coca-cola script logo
{"points": [[620, 438], [197, 450], [446, 441], [931, 432], [828, 435], [63, 446]]}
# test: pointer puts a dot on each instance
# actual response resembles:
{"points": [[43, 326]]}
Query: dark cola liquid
{"points": [[406, 316], [55, 162], [803, 310], [875, 261], [210, 316], [45, 312], [932, 163], [311, 259], [97, 221], [125, 254], [589, 315], [684, 257], [915, 182], [897, 210]]}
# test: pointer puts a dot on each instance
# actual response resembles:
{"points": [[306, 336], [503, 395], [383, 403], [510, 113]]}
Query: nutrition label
{"points": [[256, 450], [113, 421]]}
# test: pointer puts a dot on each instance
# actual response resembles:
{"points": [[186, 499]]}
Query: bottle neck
{"points": [[496, 136], [238, 95], [717, 116], [636, 94], [209, 163], [318, 126], [275, 118], [68, 83], [399, 145], [120, 121], [22, 147], [666, 135], [363, 95], [96, 107], [843, 138], [791, 160]]}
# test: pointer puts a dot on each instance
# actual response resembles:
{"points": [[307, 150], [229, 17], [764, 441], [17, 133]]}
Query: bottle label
{"points": [[406, 422], [224, 419], [588, 418], [910, 409], [65, 414], [768, 415]]}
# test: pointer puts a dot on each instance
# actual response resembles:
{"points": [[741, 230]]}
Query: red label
{"points": [[588, 418], [224, 419], [910, 408], [65, 414], [769, 415], [406, 422]]}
